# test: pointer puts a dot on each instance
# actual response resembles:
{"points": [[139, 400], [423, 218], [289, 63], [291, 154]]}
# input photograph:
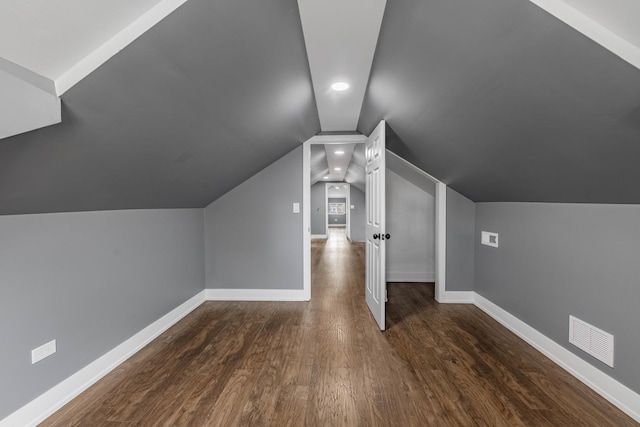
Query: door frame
{"points": [[347, 197], [440, 217], [440, 228]]}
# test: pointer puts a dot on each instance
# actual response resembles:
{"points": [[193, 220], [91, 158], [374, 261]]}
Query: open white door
{"points": [[376, 285]]}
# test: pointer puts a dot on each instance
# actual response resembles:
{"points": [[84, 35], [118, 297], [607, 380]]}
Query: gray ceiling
{"points": [[201, 102], [494, 97], [503, 102]]}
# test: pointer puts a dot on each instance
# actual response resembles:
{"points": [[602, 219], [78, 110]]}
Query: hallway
{"points": [[325, 363]]}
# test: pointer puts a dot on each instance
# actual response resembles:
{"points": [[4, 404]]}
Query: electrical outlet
{"points": [[490, 239], [45, 350]]}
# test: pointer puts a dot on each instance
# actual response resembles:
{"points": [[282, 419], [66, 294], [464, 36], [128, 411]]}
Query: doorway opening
{"points": [[338, 207], [311, 150], [333, 170]]}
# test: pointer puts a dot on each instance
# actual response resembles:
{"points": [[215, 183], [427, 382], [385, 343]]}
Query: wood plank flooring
{"points": [[324, 363]]}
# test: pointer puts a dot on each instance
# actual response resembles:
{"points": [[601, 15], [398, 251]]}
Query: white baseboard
{"points": [[55, 398], [458, 297], [318, 236], [254, 295], [415, 276], [618, 394], [45, 405]]}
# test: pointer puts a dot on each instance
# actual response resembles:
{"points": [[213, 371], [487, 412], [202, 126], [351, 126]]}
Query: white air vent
{"points": [[594, 341]]}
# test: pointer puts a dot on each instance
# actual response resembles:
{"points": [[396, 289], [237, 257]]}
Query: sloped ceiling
{"points": [[496, 98], [201, 102], [51, 37], [504, 102]]}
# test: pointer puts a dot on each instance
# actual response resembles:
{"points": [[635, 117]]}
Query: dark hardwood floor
{"points": [[324, 363]]}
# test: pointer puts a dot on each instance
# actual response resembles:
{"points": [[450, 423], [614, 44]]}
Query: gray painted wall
{"points": [[557, 260], [318, 209], [252, 238], [337, 219], [358, 215], [410, 219], [90, 280], [461, 212]]}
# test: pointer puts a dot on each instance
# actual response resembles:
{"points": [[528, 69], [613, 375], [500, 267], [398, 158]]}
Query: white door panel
{"points": [[376, 286]]}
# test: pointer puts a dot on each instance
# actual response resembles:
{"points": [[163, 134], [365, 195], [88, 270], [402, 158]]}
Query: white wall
{"points": [[25, 107], [411, 224]]}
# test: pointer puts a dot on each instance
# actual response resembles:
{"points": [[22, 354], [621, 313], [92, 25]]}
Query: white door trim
{"points": [[440, 228], [306, 199], [440, 202], [441, 242], [347, 207]]}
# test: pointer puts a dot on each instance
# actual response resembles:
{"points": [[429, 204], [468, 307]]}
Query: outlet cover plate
{"points": [[45, 350], [490, 239]]}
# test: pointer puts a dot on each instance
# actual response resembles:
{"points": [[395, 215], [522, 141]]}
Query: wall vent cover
{"points": [[594, 341]]}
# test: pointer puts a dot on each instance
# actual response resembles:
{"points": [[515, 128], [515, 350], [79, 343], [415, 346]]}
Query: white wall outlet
{"points": [[296, 208], [490, 239], [353, 206], [45, 350]]}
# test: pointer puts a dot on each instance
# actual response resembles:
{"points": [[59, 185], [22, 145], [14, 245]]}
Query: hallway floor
{"points": [[325, 363]]}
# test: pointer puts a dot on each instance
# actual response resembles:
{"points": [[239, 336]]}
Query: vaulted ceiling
{"points": [[497, 98], [199, 103], [504, 102]]}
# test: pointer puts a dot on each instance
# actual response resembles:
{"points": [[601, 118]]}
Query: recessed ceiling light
{"points": [[339, 152], [337, 169], [340, 86], [326, 177]]}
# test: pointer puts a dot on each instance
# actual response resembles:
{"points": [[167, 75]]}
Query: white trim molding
{"points": [[413, 276], [441, 242], [255, 295], [28, 76], [306, 219], [337, 139], [458, 297], [318, 236], [121, 40], [306, 200], [45, 405], [55, 398], [592, 29], [618, 394]]}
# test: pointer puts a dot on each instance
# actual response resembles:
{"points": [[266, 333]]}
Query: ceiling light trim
{"points": [[340, 86]]}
